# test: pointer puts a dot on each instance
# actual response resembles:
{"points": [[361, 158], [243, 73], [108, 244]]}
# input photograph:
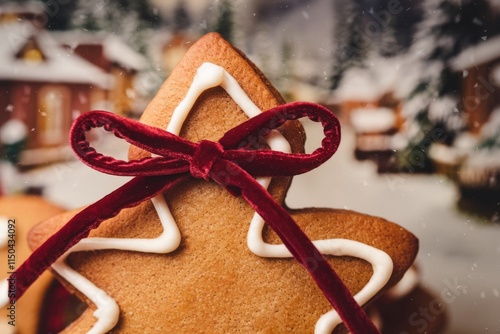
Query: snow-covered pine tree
{"points": [[405, 23], [285, 70], [263, 52], [363, 28], [57, 13], [131, 20], [13, 139], [181, 19], [224, 24], [432, 110], [350, 41], [388, 25]]}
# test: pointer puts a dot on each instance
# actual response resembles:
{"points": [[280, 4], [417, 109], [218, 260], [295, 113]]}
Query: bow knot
{"points": [[206, 154]]}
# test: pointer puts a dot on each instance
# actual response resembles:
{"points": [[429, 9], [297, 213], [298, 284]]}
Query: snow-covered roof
{"points": [[479, 54], [447, 154], [442, 108], [358, 84], [481, 160], [59, 66], [397, 75], [13, 131], [372, 120], [114, 48]]}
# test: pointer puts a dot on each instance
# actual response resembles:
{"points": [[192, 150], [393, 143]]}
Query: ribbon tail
{"points": [[130, 194], [304, 251]]}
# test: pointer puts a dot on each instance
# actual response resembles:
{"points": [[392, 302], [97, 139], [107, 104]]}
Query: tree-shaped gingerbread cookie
{"points": [[194, 256]]}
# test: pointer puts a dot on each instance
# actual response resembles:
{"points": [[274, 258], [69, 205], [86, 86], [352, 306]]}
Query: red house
{"points": [[479, 87], [45, 86]]}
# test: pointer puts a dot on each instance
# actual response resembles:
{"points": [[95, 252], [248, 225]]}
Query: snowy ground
{"points": [[73, 184], [455, 249]]}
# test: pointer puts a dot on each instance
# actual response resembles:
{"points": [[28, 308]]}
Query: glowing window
{"points": [[52, 107], [33, 56]]}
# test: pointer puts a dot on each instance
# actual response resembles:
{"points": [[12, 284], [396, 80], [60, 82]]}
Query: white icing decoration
{"points": [[382, 269], [209, 75], [108, 312]]}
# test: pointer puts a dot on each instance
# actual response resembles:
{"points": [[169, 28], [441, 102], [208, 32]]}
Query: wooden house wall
{"points": [[27, 101], [480, 95], [5, 112]]}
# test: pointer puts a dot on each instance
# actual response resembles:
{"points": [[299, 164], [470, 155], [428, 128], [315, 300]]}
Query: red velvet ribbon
{"points": [[231, 162]]}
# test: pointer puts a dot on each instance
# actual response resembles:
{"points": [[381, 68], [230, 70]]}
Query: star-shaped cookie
{"points": [[198, 259]]}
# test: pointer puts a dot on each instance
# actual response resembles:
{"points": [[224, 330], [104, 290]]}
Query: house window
{"points": [[31, 52], [53, 105], [33, 56], [8, 18]]}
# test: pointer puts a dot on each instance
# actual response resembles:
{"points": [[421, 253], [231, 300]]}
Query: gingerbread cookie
{"points": [[18, 214], [199, 259]]}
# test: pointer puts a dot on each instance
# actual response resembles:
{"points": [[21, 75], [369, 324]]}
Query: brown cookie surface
{"points": [[213, 282], [23, 212]]}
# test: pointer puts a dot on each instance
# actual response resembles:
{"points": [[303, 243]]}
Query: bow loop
{"points": [[172, 152]]}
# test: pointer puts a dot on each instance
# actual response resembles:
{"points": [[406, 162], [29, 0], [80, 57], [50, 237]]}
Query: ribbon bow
{"points": [[228, 162]]}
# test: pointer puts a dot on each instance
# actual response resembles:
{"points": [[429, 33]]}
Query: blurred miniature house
{"points": [[480, 93], [474, 158], [374, 128], [48, 79], [174, 46], [114, 57], [370, 103], [356, 91], [45, 87]]}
